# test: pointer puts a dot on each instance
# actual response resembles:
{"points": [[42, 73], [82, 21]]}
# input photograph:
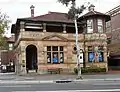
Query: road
{"points": [[86, 86], [90, 83]]}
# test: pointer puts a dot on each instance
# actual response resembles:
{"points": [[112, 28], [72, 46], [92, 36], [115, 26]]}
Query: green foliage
{"points": [[90, 70], [66, 2], [75, 70], [4, 22], [73, 11], [3, 43]]}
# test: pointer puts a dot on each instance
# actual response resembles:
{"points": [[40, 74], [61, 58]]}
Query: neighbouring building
{"points": [[48, 41], [113, 33], [7, 55]]}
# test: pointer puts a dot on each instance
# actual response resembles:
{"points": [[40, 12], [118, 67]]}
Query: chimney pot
{"points": [[91, 7], [32, 10]]}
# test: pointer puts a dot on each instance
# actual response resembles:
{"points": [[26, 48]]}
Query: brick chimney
{"points": [[32, 10], [91, 7]]}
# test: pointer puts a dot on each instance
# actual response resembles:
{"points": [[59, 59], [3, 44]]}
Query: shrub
{"points": [[84, 70], [75, 70], [90, 70]]}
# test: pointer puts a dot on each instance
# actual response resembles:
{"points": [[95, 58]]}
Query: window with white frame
{"points": [[90, 26], [55, 54], [100, 26]]}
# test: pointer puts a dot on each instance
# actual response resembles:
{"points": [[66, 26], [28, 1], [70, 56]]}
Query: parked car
{"points": [[3, 68]]}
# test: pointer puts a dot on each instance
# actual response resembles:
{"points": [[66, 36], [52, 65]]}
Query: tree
{"points": [[4, 22], [74, 13]]}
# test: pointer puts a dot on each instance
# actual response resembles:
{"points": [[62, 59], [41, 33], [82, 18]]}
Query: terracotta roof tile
{"points": [[94, 13], [52, 16]]}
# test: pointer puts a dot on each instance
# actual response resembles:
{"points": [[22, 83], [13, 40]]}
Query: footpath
{"points": [[12, 78]]}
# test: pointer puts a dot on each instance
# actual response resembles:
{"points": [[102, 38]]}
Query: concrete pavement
{"points": [[12, 78]]}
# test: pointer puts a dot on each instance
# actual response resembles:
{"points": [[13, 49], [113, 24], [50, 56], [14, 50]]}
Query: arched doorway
{"points": [[31, 58]]}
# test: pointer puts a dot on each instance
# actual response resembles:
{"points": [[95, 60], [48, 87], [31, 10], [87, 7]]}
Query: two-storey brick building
{"points": [[113, 33], [48, 40]]}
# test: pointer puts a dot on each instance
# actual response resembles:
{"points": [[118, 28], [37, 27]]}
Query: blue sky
{"points": [[21, 8]]}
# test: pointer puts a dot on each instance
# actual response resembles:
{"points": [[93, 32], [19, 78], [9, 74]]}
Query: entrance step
{"points": [[32, 71]]}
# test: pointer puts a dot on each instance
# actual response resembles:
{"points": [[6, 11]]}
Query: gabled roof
{"points": [[51, 17], [94, 13], [55, 37]]}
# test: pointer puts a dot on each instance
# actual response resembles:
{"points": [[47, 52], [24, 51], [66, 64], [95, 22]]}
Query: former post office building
{"points": [[48, 41]]}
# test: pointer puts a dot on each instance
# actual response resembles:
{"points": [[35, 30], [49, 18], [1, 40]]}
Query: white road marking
{"points": [[12, 86], [102, 90], [99, 84]]}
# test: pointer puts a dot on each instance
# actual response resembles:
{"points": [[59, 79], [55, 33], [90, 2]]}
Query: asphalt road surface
{"points": [[88, 86]]}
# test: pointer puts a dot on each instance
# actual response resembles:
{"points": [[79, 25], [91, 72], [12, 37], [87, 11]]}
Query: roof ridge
{"points": [[42, 15], [57, 12], [93, 12], [49, 12], [51, 16]]}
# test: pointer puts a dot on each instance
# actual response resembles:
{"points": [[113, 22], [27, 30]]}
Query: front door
{"points": [[31, 57]]}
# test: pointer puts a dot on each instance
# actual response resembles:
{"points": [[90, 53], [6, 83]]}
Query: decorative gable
{"points": [[55, 38]]}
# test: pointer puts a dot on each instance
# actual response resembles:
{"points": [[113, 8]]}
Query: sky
{"points": [[21, 8]]}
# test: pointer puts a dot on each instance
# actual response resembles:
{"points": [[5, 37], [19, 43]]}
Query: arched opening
{"points": [[31, 58]]}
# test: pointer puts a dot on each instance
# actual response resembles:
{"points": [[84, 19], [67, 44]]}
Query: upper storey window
{"points": [[90, 26], [108, 26], [100, 26]]}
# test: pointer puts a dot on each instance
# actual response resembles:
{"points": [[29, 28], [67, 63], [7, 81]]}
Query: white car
{"points": [[3, 68]]}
